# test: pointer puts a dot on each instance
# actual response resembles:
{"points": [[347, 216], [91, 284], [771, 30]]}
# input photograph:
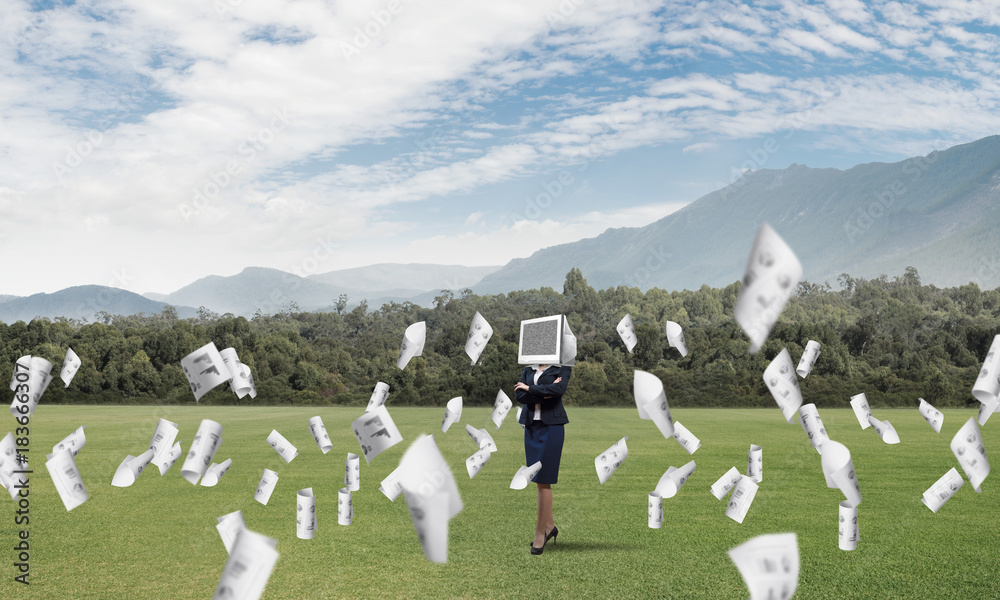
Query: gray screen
{"points": [[539, 338]]}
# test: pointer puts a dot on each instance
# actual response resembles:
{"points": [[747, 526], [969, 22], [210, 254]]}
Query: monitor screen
{"points": [[541, 340]]}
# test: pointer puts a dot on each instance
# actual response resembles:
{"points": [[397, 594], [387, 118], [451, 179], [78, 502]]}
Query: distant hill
{"points": [[82, 302], [7, 297], [412, 278], [939, 213]]}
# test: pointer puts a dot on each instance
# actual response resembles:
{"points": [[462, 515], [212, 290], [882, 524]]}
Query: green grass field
{"points": [[157, 539]]}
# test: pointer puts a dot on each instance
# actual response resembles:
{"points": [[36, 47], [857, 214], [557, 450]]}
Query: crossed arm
{"points": [[530, 393]]}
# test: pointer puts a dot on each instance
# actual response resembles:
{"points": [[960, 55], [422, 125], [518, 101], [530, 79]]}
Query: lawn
{"points": [[157, 538]]}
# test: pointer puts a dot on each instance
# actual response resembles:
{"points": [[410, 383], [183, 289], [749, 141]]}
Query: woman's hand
{"points": [[521, 386]]}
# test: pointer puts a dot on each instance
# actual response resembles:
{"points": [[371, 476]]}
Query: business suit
{"points": [[543, 439]]}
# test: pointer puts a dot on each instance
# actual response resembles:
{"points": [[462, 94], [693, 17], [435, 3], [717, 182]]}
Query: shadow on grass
{"points": [[585, 546]]}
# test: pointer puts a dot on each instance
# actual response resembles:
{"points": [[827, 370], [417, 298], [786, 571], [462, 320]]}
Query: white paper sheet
{"points": [[305, 514], [967, 445], [249, 567], [651, 401], [240, 377], [215, 473], [452, 413], [987, 386], [838, 468], [481, 438], [607, 462], [390, 485], [724, 484], [685, 438], [670, 482], [755, 463], [345, 507], [265, 488], [742, 498], [318, 431], [10, 461], [66, 477], [783, 384], [204, 369], [942, 490], [71, 364], [27, 392], [480, 332], [808, 358], [130, 469], [375, 432], [229, 526], [812, 424], [475, 462], [501, 406], [162, 444], [518, 417], [282, 446], [567, 351], [379, 395], [169, 458], [771, 276], [352, 472], [23, 366], [431, 495], [861, 410], [986, 409], [769, 565], [626, 331], [655, 506], [413, 343], [206, 443], [524, 475], [675, 337], [885, 430], [73, 442], [933, 416], [848, 533]]}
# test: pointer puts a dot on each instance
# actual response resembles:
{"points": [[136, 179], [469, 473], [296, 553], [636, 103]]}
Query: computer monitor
{"points": [[541, 341]]}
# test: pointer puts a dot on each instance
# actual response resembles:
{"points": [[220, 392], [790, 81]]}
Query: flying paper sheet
{"points": [[651, 401], [813, 426], [839, 471], [66, 477], [12, 461], [431, 495], [215, 473], [480, 332], [375, 432], [987, 386], [131, 468], [21, 366], [986, 409], [452, 413], [885, 430], [168, 458], [71, 364], [808, 358], [352, 472], [282, 446], [501, 407], [318, 431], [482, 438], [345, 507], [229, 527], [305, 514], [379, 395], [685, 438], [769, 565], [413, 343], [240, 377], [626, 330], [475, 462], [73, 442], [783, 384], [390, 485], [655, 510], [162, 444], [250, 563], [942, 490], [204, 369], [268, 480], [670, 482], [848, 533], [861, 410], [971, 454], [675, 337], [755, 463], [742, 498], [518, 417], [770, 278], [567, 351], [725, 483], [608, 461], [206, 443], [524, 476], [32, 375]]}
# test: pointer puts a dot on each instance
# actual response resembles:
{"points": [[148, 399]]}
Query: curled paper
{"points": [[755, 463], [501, 407], [22, 368], [942, 490], [685, 438], [607, 462], [933, 416], [986, 409], [813, 426], [282, 446], [130, 469], [240, 377], [345, 507], [475, 462], [861, 410], [567, 350], [73, 442], [885, 430], [725, 483], [205, 369], [655, 510], [413, 343], [524, 476], [651, 401], [268, 480], [783, 384], [215, 473], [390, 485], [318, 431], [375, 432], [808, 358], [769, 565], [66, 477], [626, 331], [206, 443], [32, 375], [452, 413], [71, 364], [305, 514], [987, 386], [848, 533], [518, 417], [431, 495], [670, 482], [14, 469], [482, 438], [229, 527], [379, 395], [770, 278], [250, 563], [675, 337], [162, 444], [839, 471], [743, 495], [967, 445], [352, 472], [168, 458], [480, 332]]}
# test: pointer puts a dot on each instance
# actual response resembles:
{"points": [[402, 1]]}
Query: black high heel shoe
{"points": [[551, 535]]}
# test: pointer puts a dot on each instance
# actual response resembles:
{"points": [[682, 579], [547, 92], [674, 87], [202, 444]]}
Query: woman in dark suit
{"points": [[541, 389]]}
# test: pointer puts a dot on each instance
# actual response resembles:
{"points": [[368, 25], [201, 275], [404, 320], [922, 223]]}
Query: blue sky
{"points": [[146, 145]]}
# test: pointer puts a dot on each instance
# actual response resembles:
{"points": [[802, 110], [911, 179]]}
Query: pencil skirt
{"points": [[543, 443]]}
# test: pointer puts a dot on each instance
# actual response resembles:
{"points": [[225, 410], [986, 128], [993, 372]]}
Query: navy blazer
{"points": [[546, 392]]}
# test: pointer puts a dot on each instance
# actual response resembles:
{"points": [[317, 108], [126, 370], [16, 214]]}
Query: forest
{"points": [[894, 339]]}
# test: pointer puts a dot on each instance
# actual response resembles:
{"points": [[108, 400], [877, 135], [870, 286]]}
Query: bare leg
{"points": [[545, 522]]}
